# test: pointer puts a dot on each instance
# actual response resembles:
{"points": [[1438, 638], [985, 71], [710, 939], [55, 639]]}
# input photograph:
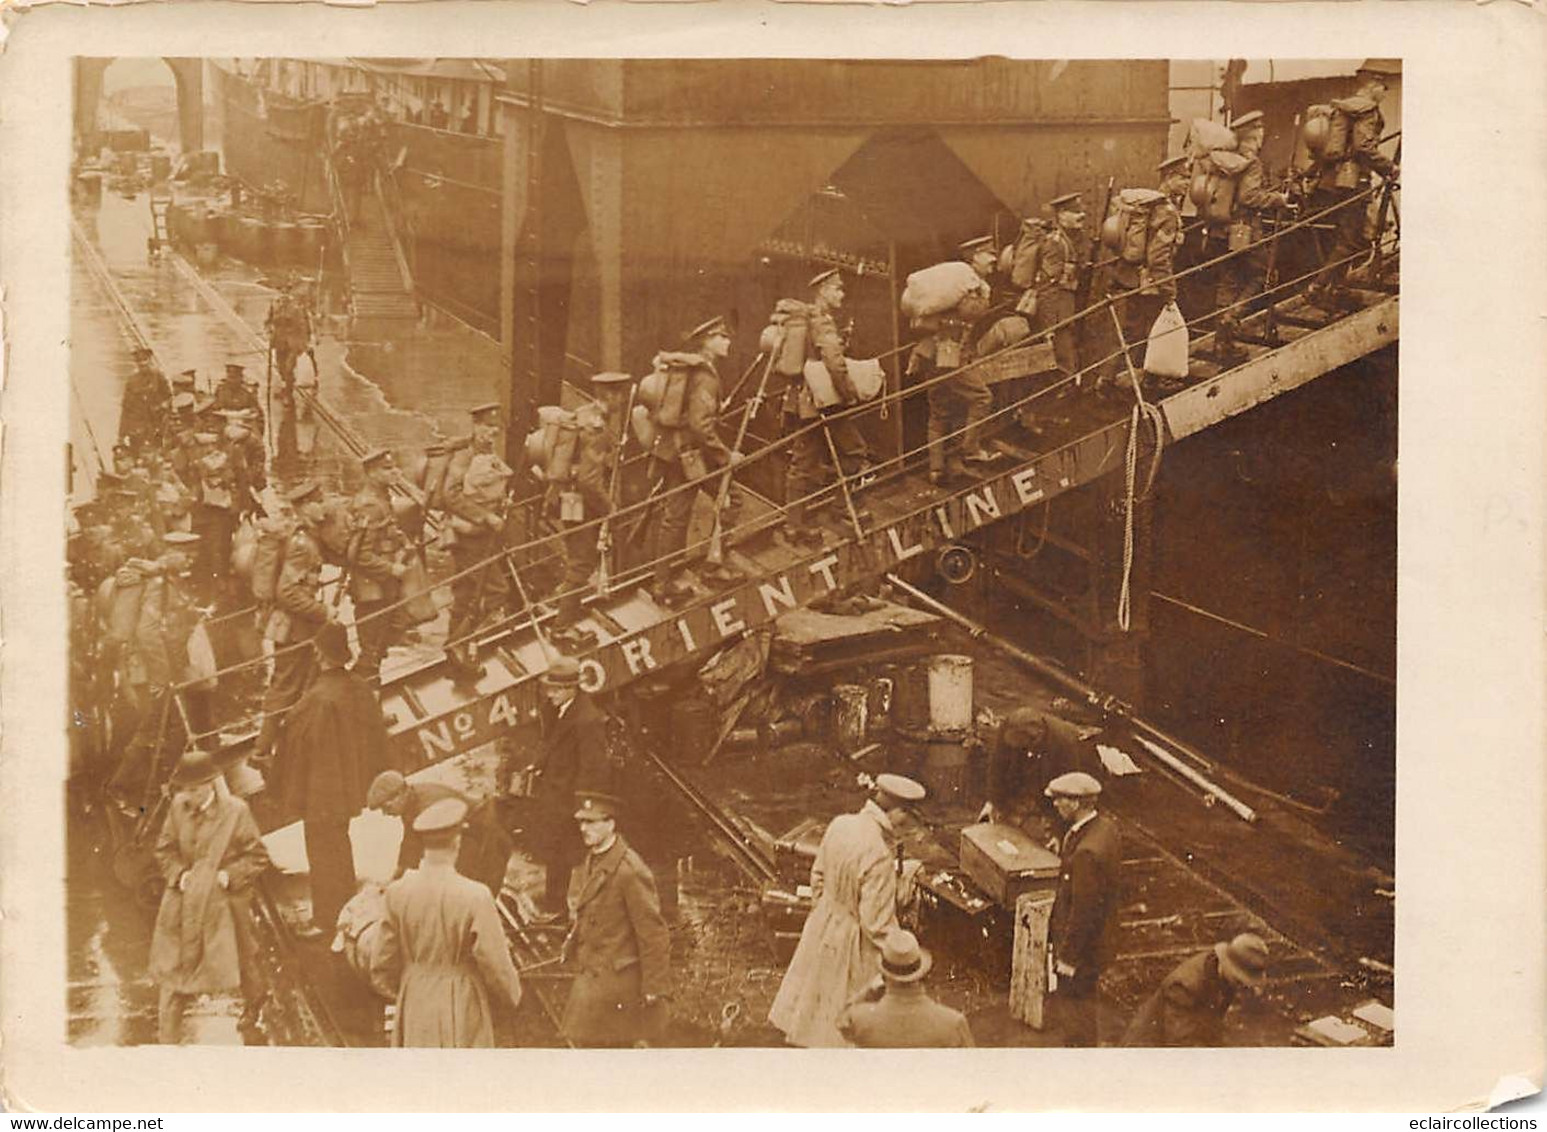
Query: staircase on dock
{"points": [[432, 717], [377, 284]]}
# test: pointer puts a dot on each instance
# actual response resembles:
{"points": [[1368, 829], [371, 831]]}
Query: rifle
{"points": [[1082, 295], [715, 556], [604, 536], [1380, 218]]}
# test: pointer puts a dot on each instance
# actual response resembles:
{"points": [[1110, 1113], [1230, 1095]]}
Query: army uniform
{"points": [[297, 615], [233, 394], [147, 401], [685, 452], [1155, 286], [1344, 179], [1056, 284], [809, 457], [944, 348], [476, 480], [290, 334], [376, 569], [246, 456], [1242, 276], [214, 514]]}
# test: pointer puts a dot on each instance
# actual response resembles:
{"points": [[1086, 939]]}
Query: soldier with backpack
{"points": [[1142, 231], [1056, 281], [476, 481], [688, 446], [1349, 153], [377, 562], [290, 332], [297, 611], [1243, 275]]}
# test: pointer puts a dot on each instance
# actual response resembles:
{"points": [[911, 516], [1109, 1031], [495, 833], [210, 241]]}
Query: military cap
{"points": [[303, 491], [375, 456], [596, 807], [179, 538], [1245, 957], [1250, 118], [1075, 784], [384, 788], [1171, 163], [822, 277], [970, 248], [1385, 68], [903, 789], [715, 325], [1059, 203], [611, 377], [441, 817], [479, 412], [564, 672], [195, 768], [235, 369]]}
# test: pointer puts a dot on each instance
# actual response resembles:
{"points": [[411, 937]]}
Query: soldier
{"points": [[298, 613], [443, 941], [235, 393], [601, 433], [943, 349], [619, 941], [377, 561], [1139, 290], [290, 332], [809, 453], [246, 456], [687, 451], [1349, 175], [1085, 905], [214, 513], [1242, 276], [147, 400], [1057, 280], [475, 498]]}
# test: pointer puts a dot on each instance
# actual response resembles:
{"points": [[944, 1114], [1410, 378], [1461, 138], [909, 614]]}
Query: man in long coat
{"points": [[619, 941], [1189, 1006], [574, 761], [209, 853], [443, 941], [335, 744], [1084, 906], [854, 884]]}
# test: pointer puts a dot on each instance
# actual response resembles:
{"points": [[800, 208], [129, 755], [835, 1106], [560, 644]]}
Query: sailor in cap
{"points": [[619, 943], [444, 933], [1344, 180], [839, 954], [1081, 933], [477, 483]]}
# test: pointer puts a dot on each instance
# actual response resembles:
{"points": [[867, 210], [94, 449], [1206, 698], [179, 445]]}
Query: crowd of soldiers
{"points": [[162, 590]]}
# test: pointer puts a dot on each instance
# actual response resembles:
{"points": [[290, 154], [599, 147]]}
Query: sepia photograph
{"points": [[732, 552]]}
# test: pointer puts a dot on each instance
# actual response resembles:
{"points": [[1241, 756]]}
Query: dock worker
{"points": [[298, 613], [1057, 280], [573, 760], [809, 458], [1189, 1006], [484, 852], [1242, 276], [1032, 748], [619, 943], [1084, 919], [477, 482], [1141, 289], [335, 745], [1344, 178], [208, 853], [377, 562], [944, 349], [456, 986], [688, 447], [901, 1014], [854, 885]]}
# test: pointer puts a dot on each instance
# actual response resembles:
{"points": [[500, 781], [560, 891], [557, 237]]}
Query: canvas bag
{"points": [[1165, 354]]}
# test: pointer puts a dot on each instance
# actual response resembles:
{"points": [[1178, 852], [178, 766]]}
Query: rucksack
{"points": [[1027, 255], [1127, 227], [787, 331], [668, 407], [273, 536], [1214, 184], [437, 459]]}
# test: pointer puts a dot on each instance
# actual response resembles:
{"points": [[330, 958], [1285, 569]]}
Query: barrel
{"points": [[950, 693], [945, 769], [910, 699], [851, 716]]}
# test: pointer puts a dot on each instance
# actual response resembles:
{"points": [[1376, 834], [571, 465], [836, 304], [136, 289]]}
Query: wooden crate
{"points": [[1004, 862]]}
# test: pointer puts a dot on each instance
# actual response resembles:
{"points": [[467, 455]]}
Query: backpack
{"points": [[1027, 255], [1214, 184], [787, 330], [1126, 230], [437, 459], [669, 390], [1206, 136], [269, 558], [1340, 126]]}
